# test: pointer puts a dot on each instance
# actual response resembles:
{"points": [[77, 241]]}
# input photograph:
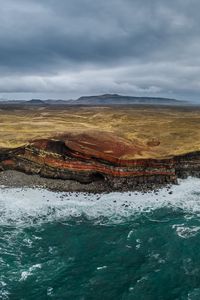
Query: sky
{"points": [[63, 49]]}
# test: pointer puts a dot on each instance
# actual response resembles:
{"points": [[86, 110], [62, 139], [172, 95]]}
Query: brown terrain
{"points": [[112, 148]]}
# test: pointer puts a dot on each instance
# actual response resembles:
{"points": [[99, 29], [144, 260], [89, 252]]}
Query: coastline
{"points": [[99, 150], [17, 179], [50, 164]]}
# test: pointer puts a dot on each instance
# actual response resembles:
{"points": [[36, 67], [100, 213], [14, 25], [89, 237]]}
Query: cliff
{"points": [[98, 148], [103, 159]]}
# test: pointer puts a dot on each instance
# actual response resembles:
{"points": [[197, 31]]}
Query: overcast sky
{"points": [[68, 48]]}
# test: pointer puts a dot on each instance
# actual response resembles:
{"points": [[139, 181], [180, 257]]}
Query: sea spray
{"points": [[25, 206]]}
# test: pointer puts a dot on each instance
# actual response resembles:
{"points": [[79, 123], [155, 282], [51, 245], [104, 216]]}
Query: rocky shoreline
{"points": [[16, 179]]}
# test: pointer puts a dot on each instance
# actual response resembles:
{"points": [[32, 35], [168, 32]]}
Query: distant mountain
{"points": [[36, 102], [98, 100], [115, 99]]}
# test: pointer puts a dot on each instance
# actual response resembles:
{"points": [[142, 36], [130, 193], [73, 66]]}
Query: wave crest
{"points": [[33, 206]]}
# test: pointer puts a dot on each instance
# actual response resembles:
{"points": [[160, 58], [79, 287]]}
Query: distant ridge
{"points": [[98, 100], [115, 99], [36, 102]]}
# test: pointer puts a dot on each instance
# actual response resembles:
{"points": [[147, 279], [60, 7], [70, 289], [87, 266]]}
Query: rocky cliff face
{"points": [[88, 159]]}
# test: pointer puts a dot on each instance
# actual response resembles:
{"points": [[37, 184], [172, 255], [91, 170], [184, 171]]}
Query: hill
{"points": [[115, 99]]}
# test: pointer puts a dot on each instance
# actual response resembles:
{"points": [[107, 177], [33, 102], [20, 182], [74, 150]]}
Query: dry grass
{"points": [[177, 129]]}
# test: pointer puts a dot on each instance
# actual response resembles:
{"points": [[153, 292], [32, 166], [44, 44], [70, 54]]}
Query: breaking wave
{"points": [[53, 245], [33, 206]]}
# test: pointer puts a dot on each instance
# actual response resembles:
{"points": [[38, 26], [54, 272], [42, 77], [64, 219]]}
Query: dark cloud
{"points": [[72, 47]]}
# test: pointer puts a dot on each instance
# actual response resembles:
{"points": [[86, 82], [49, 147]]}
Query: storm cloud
{"points": [[69, 48]]}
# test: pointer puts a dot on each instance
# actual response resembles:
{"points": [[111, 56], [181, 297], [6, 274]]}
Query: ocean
{"points": [[111, 246]]}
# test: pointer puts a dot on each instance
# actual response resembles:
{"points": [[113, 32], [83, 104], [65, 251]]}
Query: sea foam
{"points": [[32, 206]]}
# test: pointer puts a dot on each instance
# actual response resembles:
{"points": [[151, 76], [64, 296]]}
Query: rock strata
{"points": [[99, 161]]}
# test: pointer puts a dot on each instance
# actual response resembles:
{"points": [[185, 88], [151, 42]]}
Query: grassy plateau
{"points": [[157, 131]]}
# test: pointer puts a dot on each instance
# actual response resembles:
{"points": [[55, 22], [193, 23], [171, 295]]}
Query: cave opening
{"points": [[97, 177]]}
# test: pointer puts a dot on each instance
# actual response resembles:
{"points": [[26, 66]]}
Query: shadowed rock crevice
{"points": [[97, 177]]}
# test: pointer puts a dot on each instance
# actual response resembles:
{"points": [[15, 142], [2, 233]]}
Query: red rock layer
{"points": [[87, 158]]}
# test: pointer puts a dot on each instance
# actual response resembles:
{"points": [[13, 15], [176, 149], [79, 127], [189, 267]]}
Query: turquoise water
{"points": [[117, 246]]}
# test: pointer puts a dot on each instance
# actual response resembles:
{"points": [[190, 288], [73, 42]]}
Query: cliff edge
{"points": [[97, 158]]}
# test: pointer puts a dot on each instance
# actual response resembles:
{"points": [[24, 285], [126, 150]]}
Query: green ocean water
{"points": [[117, 246]]}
